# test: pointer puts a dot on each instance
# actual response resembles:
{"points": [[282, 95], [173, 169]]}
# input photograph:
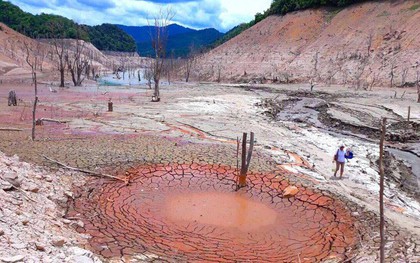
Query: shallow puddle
{"points": [[192, 213], [230, 210]]}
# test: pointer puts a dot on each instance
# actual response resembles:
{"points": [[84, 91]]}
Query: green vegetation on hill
{"points": [[282, 7], [104, 37], [233, 33], [180, 39], [109, 37], [179, 45]]}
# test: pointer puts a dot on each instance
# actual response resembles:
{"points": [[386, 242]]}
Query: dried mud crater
{"points": [[192, 212]]}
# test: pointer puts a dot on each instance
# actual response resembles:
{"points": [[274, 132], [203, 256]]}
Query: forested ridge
{"points": [[104, 37]]}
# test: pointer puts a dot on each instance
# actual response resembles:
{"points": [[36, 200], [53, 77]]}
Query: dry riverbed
{"points": [[200, 123]]}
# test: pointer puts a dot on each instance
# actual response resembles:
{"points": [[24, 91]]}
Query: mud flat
{"points": [[157, 144]]}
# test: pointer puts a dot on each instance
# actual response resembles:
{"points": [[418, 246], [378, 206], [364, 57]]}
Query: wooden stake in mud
{"points": [[246, 159], [12, 101], [381, 192], [408, 115], [237, 161], [110, 105]]}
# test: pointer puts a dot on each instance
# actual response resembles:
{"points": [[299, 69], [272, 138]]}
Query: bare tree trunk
{"points": [[404, 74], [237, 162], [369, 43], [251, 148], [61, 76], [35, 103], [59, 49], [31, 61], [245, 158], [242, 176], [391, 75], [381, 192], [77, 63], [159, 39]]}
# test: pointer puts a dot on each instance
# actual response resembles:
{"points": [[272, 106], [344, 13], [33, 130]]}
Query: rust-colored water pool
{"points": [[191, 212]]}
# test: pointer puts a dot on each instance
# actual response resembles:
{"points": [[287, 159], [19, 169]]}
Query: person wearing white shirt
{"points": [[339, 159]]}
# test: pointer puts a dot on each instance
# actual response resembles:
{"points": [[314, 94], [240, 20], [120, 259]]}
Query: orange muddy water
{"points": [[193, 213], [230, 210]]}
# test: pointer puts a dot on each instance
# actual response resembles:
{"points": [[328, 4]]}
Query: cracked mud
{"points": [[191, 212]]}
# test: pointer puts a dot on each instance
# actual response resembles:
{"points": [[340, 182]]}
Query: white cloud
{"points": [[220, 14], [239, 11]]}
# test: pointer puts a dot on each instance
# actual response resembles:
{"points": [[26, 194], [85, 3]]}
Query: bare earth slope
{"points": [[285, 48], [13, 53]]}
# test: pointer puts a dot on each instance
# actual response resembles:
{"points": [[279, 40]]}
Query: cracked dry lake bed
{"points": [[192, 212]]}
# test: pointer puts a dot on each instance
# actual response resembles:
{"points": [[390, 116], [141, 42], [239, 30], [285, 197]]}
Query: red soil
{"points": [[191, 212], [281, 47]]}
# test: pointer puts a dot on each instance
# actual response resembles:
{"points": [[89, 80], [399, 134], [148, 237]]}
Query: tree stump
{"points": [[12, 98], [110, 106]]}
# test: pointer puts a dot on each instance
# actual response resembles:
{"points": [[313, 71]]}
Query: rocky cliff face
{"points": [[362, 45]]}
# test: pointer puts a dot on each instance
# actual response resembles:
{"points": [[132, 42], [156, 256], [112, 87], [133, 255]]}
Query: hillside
{"points": [[282, 7], [358, 44], [143, 33], [180, 39], [13, 53], [105, 37]]}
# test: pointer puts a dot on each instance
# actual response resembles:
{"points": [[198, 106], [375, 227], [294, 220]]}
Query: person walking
{"points": [[339, 159]]}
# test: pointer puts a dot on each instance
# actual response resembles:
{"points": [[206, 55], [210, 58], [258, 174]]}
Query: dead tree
{"points": [[358, 76], [381, 192], [148, 75], [369, 43], [77, 63], [219, 72], [159, 38], [404, 74], [60, 48], [40, 53], [246, 158], [314, 71], [31, 61], [373, 78], [392, 75], [170, 67], [189, 61]]}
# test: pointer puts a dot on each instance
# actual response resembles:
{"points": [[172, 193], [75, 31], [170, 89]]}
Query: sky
{"points": [[198, 14]]}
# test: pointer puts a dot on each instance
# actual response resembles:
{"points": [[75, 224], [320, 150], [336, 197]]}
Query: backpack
{"points": [[349, 155]]}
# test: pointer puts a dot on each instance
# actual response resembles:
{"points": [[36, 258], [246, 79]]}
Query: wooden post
{"points": [[381, 192], [246, 158], [237, 163], [251, 147], [110, 106], [242, 176], [408, 115], [12, 100]]}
